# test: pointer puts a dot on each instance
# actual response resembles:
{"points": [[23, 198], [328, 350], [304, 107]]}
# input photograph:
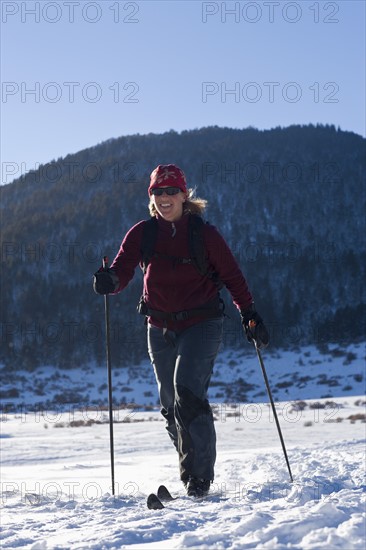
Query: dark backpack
{"points": [[198, 257]]}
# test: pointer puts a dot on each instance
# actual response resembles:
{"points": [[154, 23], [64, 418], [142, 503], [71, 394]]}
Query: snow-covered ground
{"points": [[56, 482], [55, 473], [300, 373]]}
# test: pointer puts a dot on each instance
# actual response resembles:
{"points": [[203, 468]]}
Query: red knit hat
{"points": [[168, 175]]}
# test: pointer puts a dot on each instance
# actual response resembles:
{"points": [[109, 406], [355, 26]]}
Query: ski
{"points": [[164, 494], [155, 501]]}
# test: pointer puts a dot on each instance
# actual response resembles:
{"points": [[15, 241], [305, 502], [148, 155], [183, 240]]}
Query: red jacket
{"points": [[173, 288]]}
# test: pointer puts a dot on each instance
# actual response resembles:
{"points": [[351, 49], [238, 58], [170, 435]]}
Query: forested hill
{"points": [[290, 202]]}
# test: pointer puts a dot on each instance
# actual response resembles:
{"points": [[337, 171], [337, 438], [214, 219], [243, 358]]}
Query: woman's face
{"points": [[170, 207]]}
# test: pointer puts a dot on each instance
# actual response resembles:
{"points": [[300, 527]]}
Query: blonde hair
{"points": [[192, 204]]}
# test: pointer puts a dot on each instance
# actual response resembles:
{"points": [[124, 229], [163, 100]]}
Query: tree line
{"points": [[289, 201]]}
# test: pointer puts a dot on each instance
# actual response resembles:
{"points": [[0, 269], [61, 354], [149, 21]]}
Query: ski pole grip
{"points": [[105, 262]]}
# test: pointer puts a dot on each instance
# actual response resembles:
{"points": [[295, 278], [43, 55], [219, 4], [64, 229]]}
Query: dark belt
{"points": [[209, 312]]}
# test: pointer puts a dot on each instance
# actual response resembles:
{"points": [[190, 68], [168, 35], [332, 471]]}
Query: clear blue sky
{"points": [[76, 73]]}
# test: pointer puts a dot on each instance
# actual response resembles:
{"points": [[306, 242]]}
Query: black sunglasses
{"points": [[158, 191]]}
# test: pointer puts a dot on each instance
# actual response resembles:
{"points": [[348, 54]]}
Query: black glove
{"points": [[105, 281], [254, 327]]}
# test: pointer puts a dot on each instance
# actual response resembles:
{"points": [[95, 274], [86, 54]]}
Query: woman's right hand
{"points": [[105, 281]]}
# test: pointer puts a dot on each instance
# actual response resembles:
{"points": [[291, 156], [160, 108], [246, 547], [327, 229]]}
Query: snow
{"points": [[296, 374], [55, 475]]}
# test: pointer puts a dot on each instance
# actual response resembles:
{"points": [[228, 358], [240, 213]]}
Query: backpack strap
{"points": [[149, 236], [197, 245], [198, 250], [211, 310]]}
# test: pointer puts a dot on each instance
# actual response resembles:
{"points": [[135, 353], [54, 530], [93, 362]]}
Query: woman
{"points": [[184, 315]]}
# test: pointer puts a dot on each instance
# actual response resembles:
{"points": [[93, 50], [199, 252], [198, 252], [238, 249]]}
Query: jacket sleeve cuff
{"points": [[247, 313], [115, 280]]}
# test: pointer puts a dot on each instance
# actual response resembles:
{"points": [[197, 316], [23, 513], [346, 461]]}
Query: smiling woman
{"points": [[178, 198], [184, 312], [168, 199]]}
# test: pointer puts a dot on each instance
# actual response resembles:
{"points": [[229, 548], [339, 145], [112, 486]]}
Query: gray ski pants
{"points": [[183, 364]]}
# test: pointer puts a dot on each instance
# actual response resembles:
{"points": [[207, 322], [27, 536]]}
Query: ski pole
{"points": [[251, 326], [109, 369]]}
